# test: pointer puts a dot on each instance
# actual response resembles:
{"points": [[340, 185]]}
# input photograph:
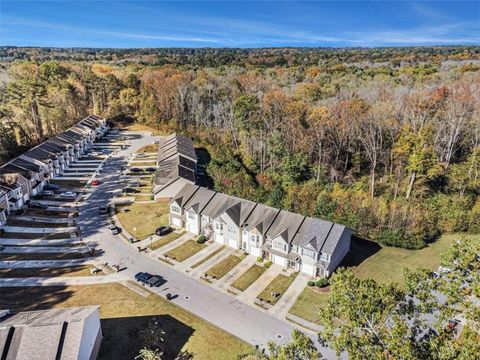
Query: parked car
{"points": [[155, 281], [163, 230], [141, 155], [151, 169], [134, 184], [106, 152], [103, 209], [93, 153], [51, 187], [142, 277], [135, 170], [47, 193], [113, 229], [129, 190], [68, 194], [95, 182], [36, 205]]}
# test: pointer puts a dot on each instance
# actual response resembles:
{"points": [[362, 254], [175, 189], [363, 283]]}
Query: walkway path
{"points": [[35, 242], [192, 260], [37, 230], [202, 269], [250, 294], [23, 264], [238, 270], [61, 281], [43, 249], [170, 246], [280, 309]]}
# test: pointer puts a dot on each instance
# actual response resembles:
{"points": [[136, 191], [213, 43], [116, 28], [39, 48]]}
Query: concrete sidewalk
{"points": [[170, 246], [35, 242], [250, 294], [43, 249], [22, 264], [185, 265], [199, 271], [49, 219], [280, 309], [233, 274], [60, 281], [37, 230]]}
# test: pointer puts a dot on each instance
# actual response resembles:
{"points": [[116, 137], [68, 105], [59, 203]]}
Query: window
{"points": [[218, 226], [325, 257], [280, 245], [175, 208], [254, 239], [232, 230], [191, 216], [309, 253]]}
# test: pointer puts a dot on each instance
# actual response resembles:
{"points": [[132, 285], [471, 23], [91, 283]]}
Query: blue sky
{"points": [[126, 24]]}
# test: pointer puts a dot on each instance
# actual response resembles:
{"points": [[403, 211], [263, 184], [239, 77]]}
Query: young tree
{"points": [[368, 320]]}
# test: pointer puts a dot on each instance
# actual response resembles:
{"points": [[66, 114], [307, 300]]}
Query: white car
{"points": [[113, 229], [68, 194], [94, 153], [47, 193]]}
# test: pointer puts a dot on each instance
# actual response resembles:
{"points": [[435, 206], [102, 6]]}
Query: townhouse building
{"points": [[4, 209], [310, 245], [177, 165]]}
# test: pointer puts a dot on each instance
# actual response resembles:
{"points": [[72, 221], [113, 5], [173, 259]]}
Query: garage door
{"points": [[308, 269], [176, 222], [219, 238], [232, 243], [278, 260]]}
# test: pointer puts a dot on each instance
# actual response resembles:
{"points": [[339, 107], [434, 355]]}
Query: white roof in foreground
{"points": [[47, 334]]}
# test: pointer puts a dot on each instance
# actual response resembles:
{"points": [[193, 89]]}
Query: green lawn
{"points": [[146, 218], [278, 285], [124, 314], [208, 257], [387, 264], [143, 197], [165, 240], [308, 303], [217, 271], [148, 148], [184, 251], [249, 277]]}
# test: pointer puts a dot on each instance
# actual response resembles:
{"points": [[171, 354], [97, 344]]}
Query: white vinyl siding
{"points": [[280, 245], [175, 209], [308, 253]]}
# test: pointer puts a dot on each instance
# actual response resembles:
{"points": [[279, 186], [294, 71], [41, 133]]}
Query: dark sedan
{"points": [[163, 230]]}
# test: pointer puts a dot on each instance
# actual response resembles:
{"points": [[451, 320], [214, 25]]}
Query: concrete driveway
{"points": [[248, 323]]}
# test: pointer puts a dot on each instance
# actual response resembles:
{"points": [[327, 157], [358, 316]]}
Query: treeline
{"points": [[266, 57], [392, 151]]}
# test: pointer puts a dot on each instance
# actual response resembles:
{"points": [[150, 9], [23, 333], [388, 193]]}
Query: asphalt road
{"points": [[244, 321]]}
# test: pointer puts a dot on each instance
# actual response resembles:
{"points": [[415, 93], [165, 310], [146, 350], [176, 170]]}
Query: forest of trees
{"points": [[386, 141]]}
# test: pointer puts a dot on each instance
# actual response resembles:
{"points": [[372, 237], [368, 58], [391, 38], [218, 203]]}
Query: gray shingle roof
{"points": [[198, 201], [184, 194], [44, 334], [260, 218], [286, 224]]}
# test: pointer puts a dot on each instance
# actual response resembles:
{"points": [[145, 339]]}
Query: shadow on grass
{"points": [[33, 298], [124, 337], [360, 250]]}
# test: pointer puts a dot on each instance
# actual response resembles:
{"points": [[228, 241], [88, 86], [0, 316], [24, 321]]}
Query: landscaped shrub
{"points": [[311, 283], [267, 264], [259, 259], [321, 283], [201, 239]]}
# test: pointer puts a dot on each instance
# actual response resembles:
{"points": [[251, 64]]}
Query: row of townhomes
{"points": [[177, 165], [310, 245], [26, 175]]}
